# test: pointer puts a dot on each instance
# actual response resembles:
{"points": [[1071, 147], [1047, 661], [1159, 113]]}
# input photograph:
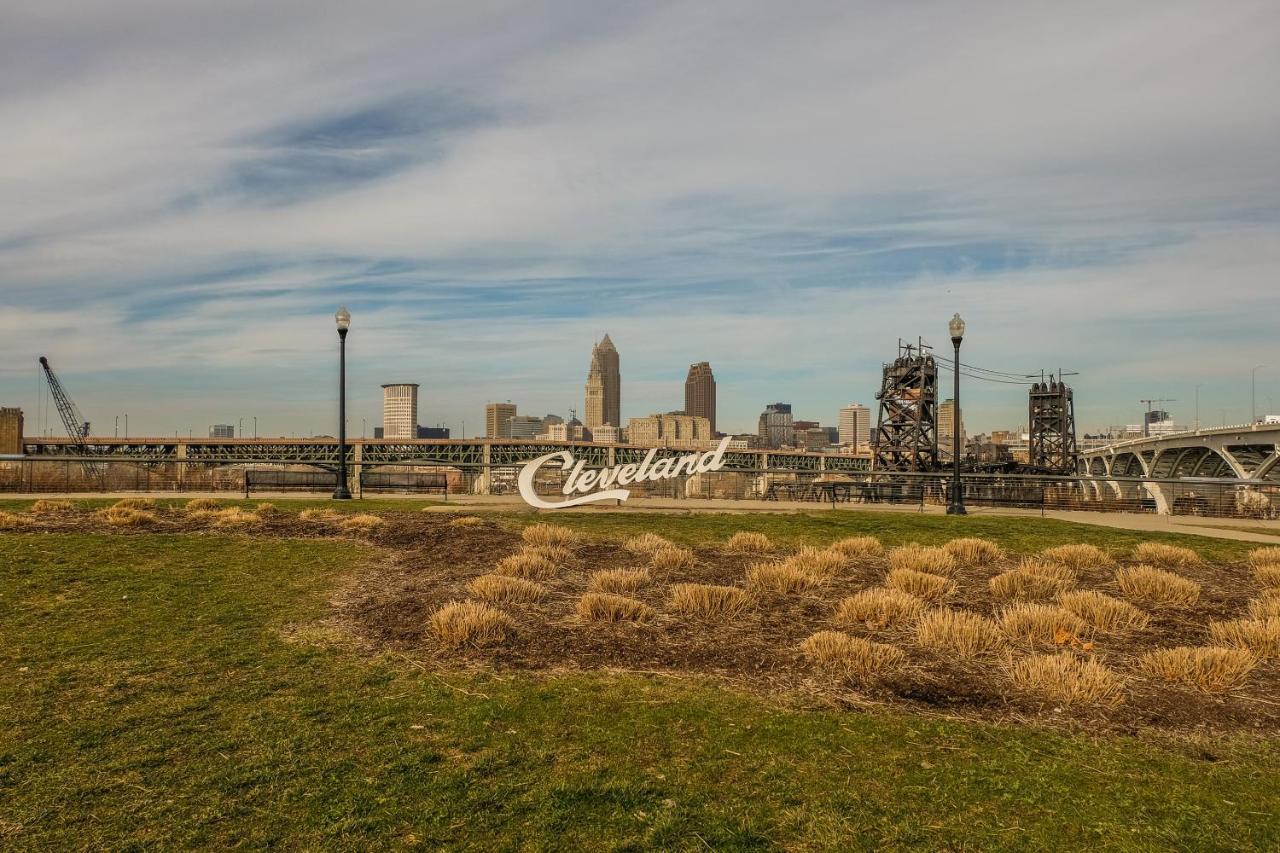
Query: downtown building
{"points": [[673, 429], [700, 393], [776, 428], [946, 430], [855, 426], [400, 410], [497, 419], [604, 388]]}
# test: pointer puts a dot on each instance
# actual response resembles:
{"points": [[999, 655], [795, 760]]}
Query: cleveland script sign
{"points": [[604, 480]]}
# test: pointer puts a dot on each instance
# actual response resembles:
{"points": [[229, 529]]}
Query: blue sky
{"points": [[187, 192]]}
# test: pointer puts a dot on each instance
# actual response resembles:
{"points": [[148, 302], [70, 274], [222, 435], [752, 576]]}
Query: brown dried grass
{"points": [[959, 632], [646, 543], [118, 516], [1259, 636], [879, 608], [1033, 580], [857, 547], [233, 517], [494, 587], [527, 565], [557, 554], [921, 558], [266, 509], [464, 520], [13, 521], [203, 505], [822, 562], [45, 507], [1268, 575], [362, 522], [470, 623], [549, 534], [1209, 668], [1102, 612], [320, 515], [1266, 605], [618, 580], [852, 657], [748, 542], [672, 558], [1269, 556], [608, 607], [781, 578], [1156, 587], [971, 551], [920, 584], [1041, 624], [1160, 554], [708, 600], [134, 503], [1079, 556], [1068, 679]]}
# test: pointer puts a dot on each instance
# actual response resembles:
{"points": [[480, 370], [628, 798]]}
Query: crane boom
{"points": [[77, 427]]}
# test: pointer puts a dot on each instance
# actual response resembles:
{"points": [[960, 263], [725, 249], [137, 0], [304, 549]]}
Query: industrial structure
{"points": [[1051, 419], [76, 426], [906, 436]]}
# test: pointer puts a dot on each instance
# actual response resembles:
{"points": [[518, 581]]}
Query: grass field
{"points": [[178, 689]]}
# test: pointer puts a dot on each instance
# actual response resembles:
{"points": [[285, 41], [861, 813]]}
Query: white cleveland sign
{"points": [[582, 482]]}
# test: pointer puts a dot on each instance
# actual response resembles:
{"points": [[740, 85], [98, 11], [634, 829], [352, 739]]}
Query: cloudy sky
{"points": [[188, 191]]}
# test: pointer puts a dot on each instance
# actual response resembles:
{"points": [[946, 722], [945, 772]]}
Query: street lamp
{"points": [[343, 318], [956, 327], [1253, 393]]}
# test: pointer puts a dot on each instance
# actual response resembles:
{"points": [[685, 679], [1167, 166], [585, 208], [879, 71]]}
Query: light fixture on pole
{"points": [[956, 327], [1253, 393], [343, 318]]}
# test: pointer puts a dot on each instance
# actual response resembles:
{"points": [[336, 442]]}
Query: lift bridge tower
{"points": [[1051, 417], [906, 436]]}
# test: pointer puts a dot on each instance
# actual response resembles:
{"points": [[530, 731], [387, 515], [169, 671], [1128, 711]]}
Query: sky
{"points": [[188, 192]]}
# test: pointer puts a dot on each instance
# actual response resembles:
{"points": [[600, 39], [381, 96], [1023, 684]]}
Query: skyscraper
{"points": [[497, 419], [604, 387], [946, 429], [777, 429], [855, 425], [700, 393], [400, 410]]}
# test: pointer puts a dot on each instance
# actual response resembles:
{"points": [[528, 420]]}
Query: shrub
{"points": [[1068, 679], [618, 580], [821, 562], [203, 505], [1269, 556], [13, 521], [526, 565], [934, 561], [852, 657], [1157, 587], [672, 558], [1041, 624], [361, 522], [879, 608], [1268, 575], [1031, 581], [971, 551], [1260, 636], [505, 588], [646, 543], [608, 607], [920, 584], [470, 623], [745, 541], [1211, 669], [118, 516], [1080, 556], [134, 503], [1102, 612], [855, 547], [463, 520], [1266, 605], [234, 517], [548, 534], [959, 633], [1159, 554], [781, 578], [48, 507], [700, 599]]}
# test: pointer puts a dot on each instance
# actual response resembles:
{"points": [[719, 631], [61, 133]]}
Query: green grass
{"points": [[148, 697]]}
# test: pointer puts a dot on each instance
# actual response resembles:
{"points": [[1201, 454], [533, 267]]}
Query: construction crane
{"points": [[1146, 421], [77, 427]]}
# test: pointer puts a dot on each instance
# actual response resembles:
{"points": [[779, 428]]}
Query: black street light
{"points": [[956, 326], [343, 319]]}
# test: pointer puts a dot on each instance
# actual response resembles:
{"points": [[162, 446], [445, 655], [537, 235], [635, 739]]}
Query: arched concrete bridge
{"points": [[1246, 452]]}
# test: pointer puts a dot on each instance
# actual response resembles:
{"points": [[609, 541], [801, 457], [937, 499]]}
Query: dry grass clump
{"points": [[557, 554], [920, 584], [879, 608], [321, 515], [959, 633], [781, 578], [1078, 556], [1041, 624], [203, 505], [920, 558], [13, 521], [526, 565], [748, 542], [1269, 556], [51, 507], [708, 600], [1266, 605], [646, 543], [1068, 679], [1033, 580], [361, 522], [1210, 668], [506, 588], [1157, 587], [608, 607], [118, 516], [1268, 575], [672, 558], [548, 534], [822, 562], [971, 551], [234, 517], [465, 521], [1102, 612], [1260, 636], [618, 580], [470, 623], [134, 503], [855, 547], [266, 509], [852, 657], [1160, 554]]}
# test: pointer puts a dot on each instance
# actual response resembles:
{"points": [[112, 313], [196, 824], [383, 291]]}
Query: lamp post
{"points": [[343, 319], [956, 327], [1253, 393]]}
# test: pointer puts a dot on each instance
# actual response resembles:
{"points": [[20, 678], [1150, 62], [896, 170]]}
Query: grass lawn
{"points": [[154, 694]]}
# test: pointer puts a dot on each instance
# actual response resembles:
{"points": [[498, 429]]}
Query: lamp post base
{"points": [[342, 493], [957, 509]]}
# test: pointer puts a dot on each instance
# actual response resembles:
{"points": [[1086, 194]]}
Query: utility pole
{"points": [[1253, 393], [1197, 408]]}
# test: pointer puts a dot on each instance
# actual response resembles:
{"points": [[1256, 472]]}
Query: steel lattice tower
{"points": [[1051, 418], [906, 435]]}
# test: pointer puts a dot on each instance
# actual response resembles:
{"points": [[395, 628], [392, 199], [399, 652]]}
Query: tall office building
{"points": [[700, 393], [855, 425], [946, 429], [674, 429], [524, 426], [604, 387], [497, 419], [222, 431], [776, 426], [400, 410]]}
